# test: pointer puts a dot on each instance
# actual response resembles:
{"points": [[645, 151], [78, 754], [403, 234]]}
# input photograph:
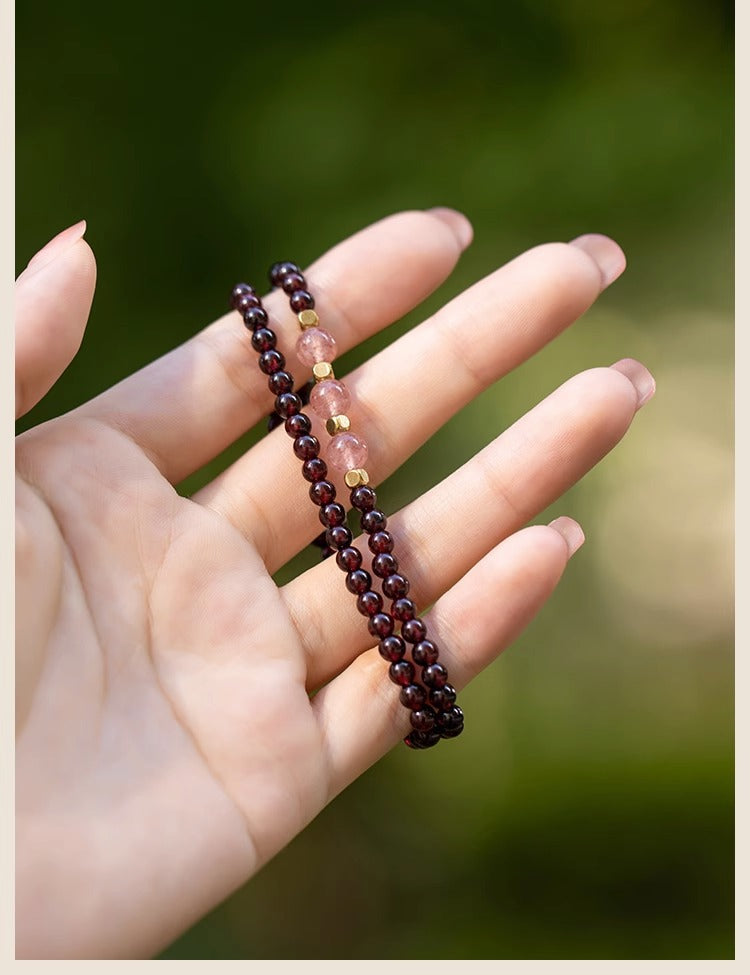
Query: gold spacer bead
{"points": [[338, 423], [308, 318], [356, 477], [322, 370]]}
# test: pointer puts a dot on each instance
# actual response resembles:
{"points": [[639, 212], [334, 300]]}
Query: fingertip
{"points": [[570, 531], [458, 223]]}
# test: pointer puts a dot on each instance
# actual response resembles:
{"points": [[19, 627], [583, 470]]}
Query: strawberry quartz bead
{"points": [[345, 452], [316, 345], [329, 398]]}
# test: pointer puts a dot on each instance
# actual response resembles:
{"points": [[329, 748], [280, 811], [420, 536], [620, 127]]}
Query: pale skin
{"points": [[167, 742]]}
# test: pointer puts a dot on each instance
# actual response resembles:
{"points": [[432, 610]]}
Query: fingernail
{"points": [[571, 531], [642, 380], [58, 244], [458, 223], [606, 254]]}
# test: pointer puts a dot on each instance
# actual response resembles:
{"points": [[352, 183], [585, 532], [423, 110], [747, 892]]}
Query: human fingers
{"points": [[359, 712], [409, 390], [53, 299], [442, 534], [190, 404]]}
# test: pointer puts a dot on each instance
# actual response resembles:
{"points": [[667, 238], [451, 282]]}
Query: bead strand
{"points": [[434, 713], [332, 515]]}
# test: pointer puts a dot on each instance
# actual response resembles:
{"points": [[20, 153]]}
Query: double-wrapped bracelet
{"points": [[430, 699]]}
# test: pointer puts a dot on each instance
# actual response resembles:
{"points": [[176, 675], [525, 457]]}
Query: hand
{"points": [[167, 745]]}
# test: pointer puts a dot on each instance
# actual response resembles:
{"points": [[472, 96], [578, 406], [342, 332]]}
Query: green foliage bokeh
{"points": [[587, 811]]}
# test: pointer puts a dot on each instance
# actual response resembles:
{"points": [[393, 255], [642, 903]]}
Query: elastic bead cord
{"points": [[431, 699]]}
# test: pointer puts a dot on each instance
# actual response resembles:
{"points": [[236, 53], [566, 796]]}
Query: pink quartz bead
{"points": [[346, 452], [329, 398], [316, 345]]}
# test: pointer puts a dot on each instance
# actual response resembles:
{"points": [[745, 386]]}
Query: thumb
{"points": [[53, 300]]}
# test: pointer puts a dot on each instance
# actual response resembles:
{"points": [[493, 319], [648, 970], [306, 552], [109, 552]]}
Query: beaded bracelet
{"points": [[430, 699]]}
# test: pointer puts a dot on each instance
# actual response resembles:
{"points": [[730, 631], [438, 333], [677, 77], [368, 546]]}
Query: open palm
{"points": [[168, 744]]}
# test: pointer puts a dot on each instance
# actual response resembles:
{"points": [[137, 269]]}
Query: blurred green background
{"points": [[587, 812]]}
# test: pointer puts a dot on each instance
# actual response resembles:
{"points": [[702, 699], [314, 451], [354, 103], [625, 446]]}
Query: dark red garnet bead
{"points": [[451, 718], [287, 404], [425, 653], [280, 382], [369, 603], [422, 739], [297, 424], [347, 559], [380, 625], [332, 514], [380, 542], [441, 698], [395, 586], [238, 291], [392, 648], [413, 631], [247, 303], [403, 609], [306, 447], [413, 697], [373, 521], [358, 581], [271, 361], [384, 564], [435, 675], [339, 536], [263, 339], [255, 318], [363, 498], [280, 270], [300, 300], [401, 673], [291, 282], [315, 470], [423, 719], [451, 732]]}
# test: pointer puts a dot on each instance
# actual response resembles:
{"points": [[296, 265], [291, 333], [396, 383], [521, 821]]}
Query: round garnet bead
{"points": [[280, 270], [413, 697], [384, 564], [339, 536], [271, 361], [413, 630], [358, 581], [306, 447], [435, 675], [423, 719], [332, 514], [255, 318], [451, 718], [401, 672], [263, 339], [441, 698], [363, 498], [451, 732], [425, 653], [245, 303], [380, 625], [380, 542], [370, 603], [290, 282], [348, 559], [373, 521], [300, 300], [392, 648], [238, 291], [395, 586], [403, 609], [297, 424], [422, 739], [288, 404], [280, 382], [314, 469]]}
